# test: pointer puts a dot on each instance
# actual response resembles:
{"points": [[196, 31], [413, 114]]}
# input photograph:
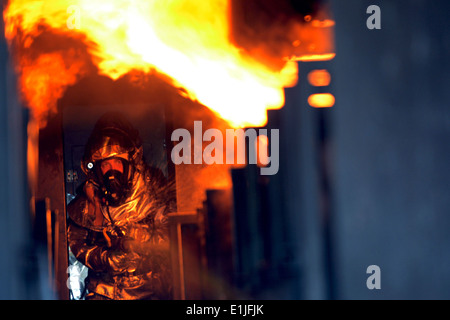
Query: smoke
{"points": [[47, 65], [275, 31]]}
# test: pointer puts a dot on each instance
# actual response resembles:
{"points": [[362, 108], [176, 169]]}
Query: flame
{"points": [[319, 78], [321, 100], [43, 82], [180, 38], [262, 150]]}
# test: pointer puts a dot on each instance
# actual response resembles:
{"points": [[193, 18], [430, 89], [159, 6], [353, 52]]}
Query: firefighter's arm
{"points": [[90, 247], [99, 258], [91, 255]]}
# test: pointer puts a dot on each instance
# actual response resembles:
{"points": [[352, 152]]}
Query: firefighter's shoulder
{"points": [[77, 210]]}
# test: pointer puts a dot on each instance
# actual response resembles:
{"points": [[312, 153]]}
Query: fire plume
{"points": [[186, 41]]}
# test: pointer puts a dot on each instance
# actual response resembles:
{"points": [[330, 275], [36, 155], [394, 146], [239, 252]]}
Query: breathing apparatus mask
{"points": [[114, 184], [113, 139]]}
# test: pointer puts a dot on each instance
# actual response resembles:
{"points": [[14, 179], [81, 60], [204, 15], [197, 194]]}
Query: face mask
{"points": [[114, 188]]}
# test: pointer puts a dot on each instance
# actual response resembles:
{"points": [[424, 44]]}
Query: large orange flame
{"points": [[183, 39]]}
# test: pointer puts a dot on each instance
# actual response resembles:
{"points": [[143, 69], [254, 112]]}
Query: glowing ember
{"points": [[319, 78], [180, 38], [321, 100]]}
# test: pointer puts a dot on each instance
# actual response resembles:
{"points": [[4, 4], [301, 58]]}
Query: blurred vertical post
{"points": [[18, 273], [390, 168]]}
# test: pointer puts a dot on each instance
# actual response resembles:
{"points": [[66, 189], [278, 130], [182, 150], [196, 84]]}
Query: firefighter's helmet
{"points": [[113, 137]]}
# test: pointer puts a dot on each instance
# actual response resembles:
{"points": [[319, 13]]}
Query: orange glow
{"points": [[314, 39], [33, 156], [180, 38], [316, 57], [323, 24], [321, 100], [262, 149], [319, 78], [44, 80]]}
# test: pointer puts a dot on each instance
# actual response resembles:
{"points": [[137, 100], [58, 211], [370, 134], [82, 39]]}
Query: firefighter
{"points": [[117, 224]]}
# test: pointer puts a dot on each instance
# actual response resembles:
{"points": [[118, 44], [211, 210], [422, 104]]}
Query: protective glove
{"points": [[120, 261]]}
